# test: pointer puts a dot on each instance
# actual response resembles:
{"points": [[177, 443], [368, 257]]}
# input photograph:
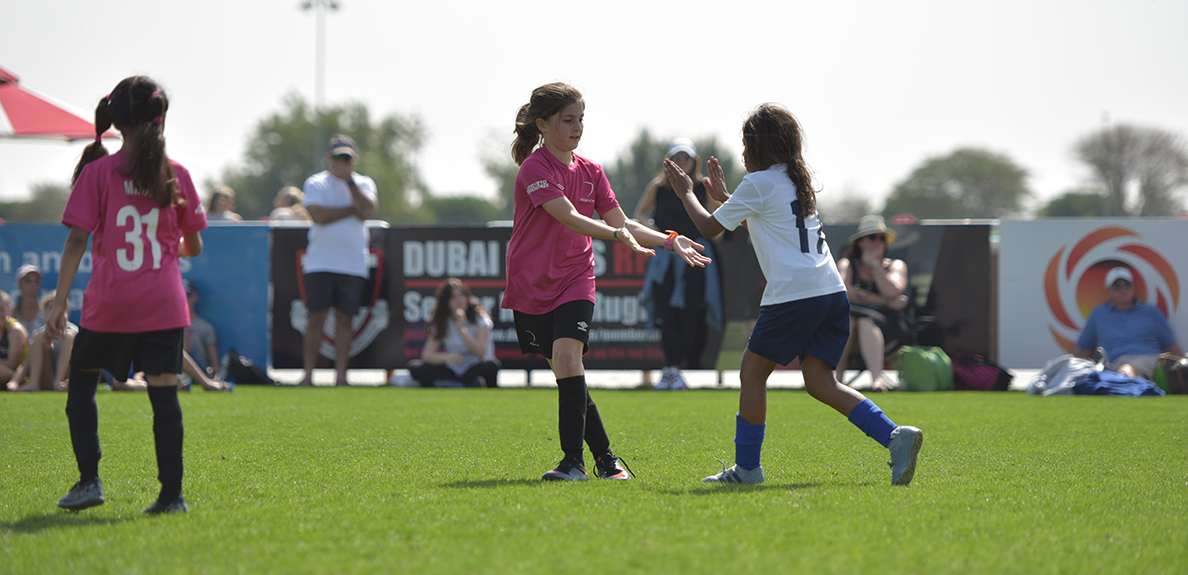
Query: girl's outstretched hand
{"points": [[626, 237], [715, 184], [681, 182], [689, 251]]}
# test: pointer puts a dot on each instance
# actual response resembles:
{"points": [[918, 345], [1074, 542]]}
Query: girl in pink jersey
{"points": [[144, 213], [805, 313], [550, 262]]}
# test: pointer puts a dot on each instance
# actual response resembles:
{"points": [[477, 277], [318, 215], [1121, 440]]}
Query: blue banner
{"points": [[231, 275]]}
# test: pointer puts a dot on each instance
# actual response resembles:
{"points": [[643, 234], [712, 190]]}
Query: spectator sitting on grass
{"points": [[48, 362], [458, 344], [12, 344], [1131, 333]]}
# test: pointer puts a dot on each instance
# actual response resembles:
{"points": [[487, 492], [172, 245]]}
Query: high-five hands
{"points": [[715, 183]]}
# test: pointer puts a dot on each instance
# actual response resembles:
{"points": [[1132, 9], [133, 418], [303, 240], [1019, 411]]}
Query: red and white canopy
{"points": [[25, 113]]}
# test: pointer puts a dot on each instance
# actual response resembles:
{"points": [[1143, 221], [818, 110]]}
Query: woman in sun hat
{"points": [[875, 285]]}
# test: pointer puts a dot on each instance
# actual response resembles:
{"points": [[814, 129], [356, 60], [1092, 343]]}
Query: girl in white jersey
{"points": [[550, 263], [804, 311], [144, 213]]}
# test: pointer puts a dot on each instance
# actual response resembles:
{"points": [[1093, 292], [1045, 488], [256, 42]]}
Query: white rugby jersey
{"points": [[791, 249]]}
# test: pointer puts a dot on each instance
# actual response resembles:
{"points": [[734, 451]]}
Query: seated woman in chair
{"points": [[875, 286]]}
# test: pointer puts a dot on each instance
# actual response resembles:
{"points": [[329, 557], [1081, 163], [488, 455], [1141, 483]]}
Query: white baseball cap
{"points": [[681, 145], [1118, 273]]}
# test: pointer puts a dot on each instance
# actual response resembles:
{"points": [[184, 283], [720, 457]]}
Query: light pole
{"points": [[319, 7]]}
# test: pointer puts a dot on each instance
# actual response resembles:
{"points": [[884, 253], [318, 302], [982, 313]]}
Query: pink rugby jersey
{"points": [[547, 263], [135, 285]]}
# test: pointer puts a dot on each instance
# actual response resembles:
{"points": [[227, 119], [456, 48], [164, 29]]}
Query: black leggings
{"points": [[83, 416], [682, 331], [427, 373]]}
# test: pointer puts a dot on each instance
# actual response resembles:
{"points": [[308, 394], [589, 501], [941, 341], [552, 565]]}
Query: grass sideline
{"points": [[386, 480]]}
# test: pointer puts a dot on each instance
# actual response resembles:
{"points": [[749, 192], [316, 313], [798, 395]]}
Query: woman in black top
{"points": [[875, 285], [677, 295]]}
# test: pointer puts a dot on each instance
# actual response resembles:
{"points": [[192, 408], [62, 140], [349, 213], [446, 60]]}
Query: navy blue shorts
{"points": [[817, 326]]}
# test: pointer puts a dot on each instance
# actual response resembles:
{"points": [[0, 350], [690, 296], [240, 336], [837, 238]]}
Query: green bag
{"points": [[925, 369]]}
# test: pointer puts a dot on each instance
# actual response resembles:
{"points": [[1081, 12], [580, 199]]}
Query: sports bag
{"points": [[973, 372], [240, 370], [925, 369], [1171, 373]]}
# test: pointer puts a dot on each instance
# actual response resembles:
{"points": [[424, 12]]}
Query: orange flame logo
{"points": [[1074, 282]]}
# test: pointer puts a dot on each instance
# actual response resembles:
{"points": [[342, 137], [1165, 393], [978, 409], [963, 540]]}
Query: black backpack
{"points": [[241, 370]]}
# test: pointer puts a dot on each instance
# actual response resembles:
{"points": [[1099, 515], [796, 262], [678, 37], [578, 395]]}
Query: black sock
{"points": [[167, 433], [83, 416], [595, 433], [571, 414]]}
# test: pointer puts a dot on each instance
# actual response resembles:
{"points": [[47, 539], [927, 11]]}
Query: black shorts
{"points": [[153, 352], [538, 332], [325, 290]]}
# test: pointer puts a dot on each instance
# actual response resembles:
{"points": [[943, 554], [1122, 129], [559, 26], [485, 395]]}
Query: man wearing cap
{"points": [[339, 201], [1132, 333]]}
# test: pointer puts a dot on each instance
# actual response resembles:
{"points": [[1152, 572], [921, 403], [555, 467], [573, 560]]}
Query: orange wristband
{"points": [[672, 236]]}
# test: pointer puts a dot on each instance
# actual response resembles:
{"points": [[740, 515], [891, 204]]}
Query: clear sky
{"points": [[878, 86]]}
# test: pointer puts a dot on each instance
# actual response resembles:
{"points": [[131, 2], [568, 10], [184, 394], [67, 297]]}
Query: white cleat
{"points": [[905, 446], [736, 474]]}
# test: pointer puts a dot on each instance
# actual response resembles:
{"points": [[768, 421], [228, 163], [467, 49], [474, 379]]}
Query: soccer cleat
{"points": [[176, 506], [609, 466], [83, 495], [736, 474], [904, 447], [570, 469], [678, 382]]}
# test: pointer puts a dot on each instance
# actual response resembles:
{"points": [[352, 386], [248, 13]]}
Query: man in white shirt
{"points": [[339, 201]]}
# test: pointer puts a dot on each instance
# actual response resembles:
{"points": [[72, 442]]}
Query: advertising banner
{"points": [[1052, 275], [424, 257]]}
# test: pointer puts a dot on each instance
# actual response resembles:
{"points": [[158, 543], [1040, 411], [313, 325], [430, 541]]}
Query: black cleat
{"points": [[176, 506], [83, 495]]}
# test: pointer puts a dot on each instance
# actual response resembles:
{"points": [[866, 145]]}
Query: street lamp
{"points": [[319, 7]]}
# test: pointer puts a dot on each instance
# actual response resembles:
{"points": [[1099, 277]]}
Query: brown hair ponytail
{"points": [[773, 136], [96, 149], [546, 101]]}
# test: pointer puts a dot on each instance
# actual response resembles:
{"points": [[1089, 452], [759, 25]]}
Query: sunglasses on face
{"points": [[343, 157], [878, 237], [1121, 285]]}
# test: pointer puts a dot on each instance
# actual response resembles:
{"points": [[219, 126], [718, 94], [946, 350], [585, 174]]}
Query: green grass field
{"points": [[387, 480]]}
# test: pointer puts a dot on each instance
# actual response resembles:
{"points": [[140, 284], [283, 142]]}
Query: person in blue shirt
{"points": [[1132, 333]]}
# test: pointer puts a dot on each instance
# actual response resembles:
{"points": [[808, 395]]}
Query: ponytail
{"points": [[799, 173], [527, 136], [546, 102], [95, 150], [149, 166]]}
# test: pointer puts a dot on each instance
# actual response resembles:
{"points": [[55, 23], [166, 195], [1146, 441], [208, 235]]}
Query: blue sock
{"points": [[748, 442], [873, 422]]}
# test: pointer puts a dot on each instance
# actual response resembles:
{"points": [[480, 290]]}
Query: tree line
{"points": [[1134, 171]]}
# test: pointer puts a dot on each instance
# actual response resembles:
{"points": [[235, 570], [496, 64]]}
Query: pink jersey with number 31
{"points": [[135, 282]]}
